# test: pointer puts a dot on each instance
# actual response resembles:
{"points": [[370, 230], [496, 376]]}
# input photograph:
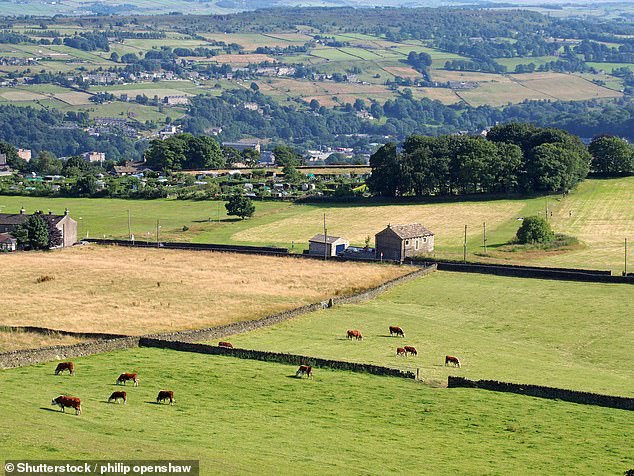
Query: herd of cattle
{"points": [[67, 401], [405, 350]]}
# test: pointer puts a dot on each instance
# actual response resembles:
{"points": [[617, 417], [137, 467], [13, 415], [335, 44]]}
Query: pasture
{"points": [[138, 291], [598, 213], [554, 333], [250, 417]]}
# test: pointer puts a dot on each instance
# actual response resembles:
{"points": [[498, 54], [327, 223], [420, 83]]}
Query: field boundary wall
{"points": [[588, 398], [282, 358]]}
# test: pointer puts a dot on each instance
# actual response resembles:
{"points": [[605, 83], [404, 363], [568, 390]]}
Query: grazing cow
{"points": [[124, 377], [228, 345], [165, 395], [450, 359], [304, 370], [65, 366], [64, 401], [118, 395], [396, 331], [401, 351], [411, 350], [355, 335]]}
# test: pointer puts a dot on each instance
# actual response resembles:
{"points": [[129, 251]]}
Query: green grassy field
{"points": [[562, 334], [250, 417], [598, 213]]}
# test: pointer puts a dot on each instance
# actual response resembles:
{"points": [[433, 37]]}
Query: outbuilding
{"points": [[397, 242], [7, 242], [320, 245]]}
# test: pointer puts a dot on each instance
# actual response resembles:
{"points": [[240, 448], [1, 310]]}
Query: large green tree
{"points": [[239, 205], [184, 151], [33, 233], [386, 176], [611, 156], [534, 229]]}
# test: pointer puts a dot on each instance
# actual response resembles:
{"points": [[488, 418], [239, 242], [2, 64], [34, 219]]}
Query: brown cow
{"points": [[225, 344], [401, 351], [118, 395], [450, 359], [124, 377], [304, 370], [354, 335], [65, 366], [165, 395], [411, 350], [396, 330], [72, 402]]}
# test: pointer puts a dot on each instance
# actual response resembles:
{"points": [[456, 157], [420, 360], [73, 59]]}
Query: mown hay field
{"points": [[139, 291], [528, 331], [249, 417], [17, 340]]}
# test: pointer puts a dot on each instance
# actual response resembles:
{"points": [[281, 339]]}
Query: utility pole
{"points": [[484, 237], [325, 239], [157, 233], [625, 274], [464, 245], [129, 226]]}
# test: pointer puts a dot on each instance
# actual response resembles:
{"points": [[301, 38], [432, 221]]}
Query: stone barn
{"points": [[397, 242], [317, 245]]}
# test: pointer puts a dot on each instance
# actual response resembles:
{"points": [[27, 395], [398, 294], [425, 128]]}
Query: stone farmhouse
{"points": [[397, 242], [64, 223]]}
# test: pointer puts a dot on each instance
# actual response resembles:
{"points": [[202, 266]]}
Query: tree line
{"points": [[513, 158]]}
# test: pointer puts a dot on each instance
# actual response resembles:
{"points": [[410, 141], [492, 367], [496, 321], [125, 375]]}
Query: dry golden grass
{"points": [[139, 291], [444, 95], [22, 96], [73, 98], [447, 220], [17, 340], [403, 71], [568, 87], [244, 59]]}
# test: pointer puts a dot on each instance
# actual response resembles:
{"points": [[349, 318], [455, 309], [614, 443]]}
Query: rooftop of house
{"points": [[329, 239], [7, 238], [412, 230], [19, 218]]}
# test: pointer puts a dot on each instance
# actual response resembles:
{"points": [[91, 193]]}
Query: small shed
{"points": [[7, 242], [320, 245], [397, 242]]}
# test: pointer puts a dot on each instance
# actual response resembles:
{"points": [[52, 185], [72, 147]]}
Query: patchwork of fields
{"points": [[251, 417]]}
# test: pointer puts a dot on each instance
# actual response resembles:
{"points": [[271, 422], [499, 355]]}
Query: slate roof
{"points": [[19, 218], [320, 239], [409, 231]]}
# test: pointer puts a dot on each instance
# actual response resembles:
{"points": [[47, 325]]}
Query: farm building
{"points": [[64, 223], [319, 245], [7, 242], [397, 242]]}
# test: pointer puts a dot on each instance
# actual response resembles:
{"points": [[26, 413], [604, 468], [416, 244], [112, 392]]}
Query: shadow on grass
{"points": [[222, 220], [56, 410]]}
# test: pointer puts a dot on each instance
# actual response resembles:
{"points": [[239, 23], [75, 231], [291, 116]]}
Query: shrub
{"points": [[534, 230]]}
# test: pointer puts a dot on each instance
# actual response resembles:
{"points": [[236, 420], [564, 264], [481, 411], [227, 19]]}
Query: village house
{"points": [[25, 154], [93, 156], [7, 242], [64, 223], [176, 100], [243, 145], [397, 242], [319, 245]]}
